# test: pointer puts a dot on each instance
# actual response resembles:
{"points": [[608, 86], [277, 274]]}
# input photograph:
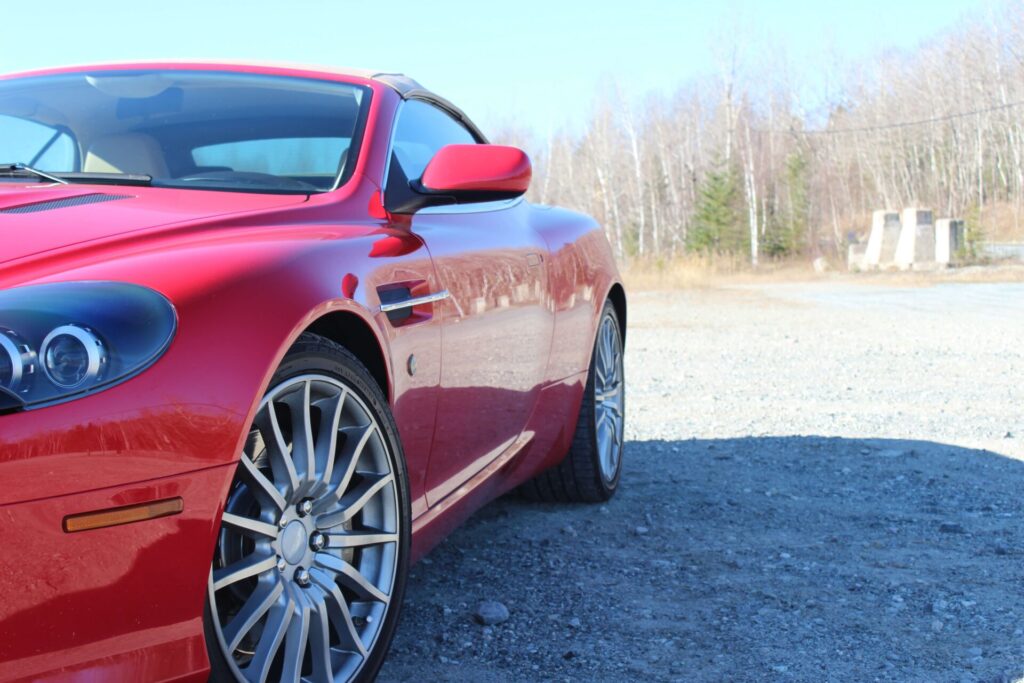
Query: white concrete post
{"points": [[949, 239], [855, 261], [885, 231], [916, 246]]}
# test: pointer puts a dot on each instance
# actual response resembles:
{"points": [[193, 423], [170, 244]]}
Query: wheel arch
{"points": [[617, 295], [352, 332]]}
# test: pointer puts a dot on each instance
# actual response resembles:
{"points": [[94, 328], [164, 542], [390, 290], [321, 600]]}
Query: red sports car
{"points": [[267, 334]]}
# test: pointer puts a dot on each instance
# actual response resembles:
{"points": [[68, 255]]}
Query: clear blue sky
{"points": [[532, 63]]}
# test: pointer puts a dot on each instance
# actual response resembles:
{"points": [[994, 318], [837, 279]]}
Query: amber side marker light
{"points": [[87, 521]]}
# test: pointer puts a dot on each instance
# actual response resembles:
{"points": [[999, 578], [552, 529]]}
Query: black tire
{"points": [[314, 354], [578, 477]]}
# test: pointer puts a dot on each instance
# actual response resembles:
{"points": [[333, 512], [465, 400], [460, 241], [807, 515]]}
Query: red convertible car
{"points": [[267, 334]]}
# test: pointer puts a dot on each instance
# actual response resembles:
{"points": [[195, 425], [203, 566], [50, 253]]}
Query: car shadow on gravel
{"points": [[775, 558]]}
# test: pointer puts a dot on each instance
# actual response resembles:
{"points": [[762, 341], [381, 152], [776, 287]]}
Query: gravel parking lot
{"points": [[823, 483]]}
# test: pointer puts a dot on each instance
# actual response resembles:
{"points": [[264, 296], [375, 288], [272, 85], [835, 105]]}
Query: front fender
{"points": [[240, 307]]}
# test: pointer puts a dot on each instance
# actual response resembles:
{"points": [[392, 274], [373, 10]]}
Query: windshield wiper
{"points": [[97, 178], [91, 178], [16, 167]]}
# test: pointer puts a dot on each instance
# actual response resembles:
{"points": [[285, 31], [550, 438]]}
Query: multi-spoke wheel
{"points": [[591, 469], [310, 562], [609, 397]]}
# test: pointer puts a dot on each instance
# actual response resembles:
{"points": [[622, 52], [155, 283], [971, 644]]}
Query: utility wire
{"points": [[891, 126]]}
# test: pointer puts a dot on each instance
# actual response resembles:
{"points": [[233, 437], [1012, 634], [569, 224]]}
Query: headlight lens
{"points": [[60, 341], [17, 362], [73, 356]]}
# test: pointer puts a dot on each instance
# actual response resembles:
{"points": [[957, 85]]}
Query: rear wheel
{"points": [[311, 560], [591, 470]]}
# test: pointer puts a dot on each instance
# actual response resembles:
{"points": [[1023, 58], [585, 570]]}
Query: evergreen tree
{"points": [[788, 228], [974, 237], [717, 222]]}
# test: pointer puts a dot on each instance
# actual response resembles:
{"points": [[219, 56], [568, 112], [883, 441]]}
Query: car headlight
{"points": [[61, 341]]}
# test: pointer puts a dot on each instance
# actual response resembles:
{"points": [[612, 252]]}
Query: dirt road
{"points": [[823, 483]]}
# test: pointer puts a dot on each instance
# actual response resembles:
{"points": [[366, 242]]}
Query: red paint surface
{"points": [[500, 372]]}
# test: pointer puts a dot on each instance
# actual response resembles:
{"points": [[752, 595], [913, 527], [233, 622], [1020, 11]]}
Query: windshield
{"points": [[196, 129]]}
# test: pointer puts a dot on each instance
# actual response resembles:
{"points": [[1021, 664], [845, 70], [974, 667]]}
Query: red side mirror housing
{"points": [[478, 172]]}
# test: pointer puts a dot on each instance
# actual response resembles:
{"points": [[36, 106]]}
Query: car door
{"points": [[497, 327]]}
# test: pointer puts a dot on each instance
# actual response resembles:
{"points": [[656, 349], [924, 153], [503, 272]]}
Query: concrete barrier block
{"points": [[882, 240], [916, 245], [856, 257], [949, 239]]}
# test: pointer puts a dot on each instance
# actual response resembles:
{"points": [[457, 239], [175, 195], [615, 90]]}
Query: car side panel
{"points": [[553, 420], [581, 272], [496, 336]]}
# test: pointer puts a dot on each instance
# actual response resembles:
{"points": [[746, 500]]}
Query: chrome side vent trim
{"points": [[64, 203], [388, 307], [398, 302]]}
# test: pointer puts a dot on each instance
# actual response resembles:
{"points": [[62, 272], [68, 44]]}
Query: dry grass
{"points": [[1005, 272], [692, 271], [1002, 222], [704, 272]]}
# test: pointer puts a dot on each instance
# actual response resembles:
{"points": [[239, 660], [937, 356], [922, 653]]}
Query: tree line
{"points": [[737, 163]]}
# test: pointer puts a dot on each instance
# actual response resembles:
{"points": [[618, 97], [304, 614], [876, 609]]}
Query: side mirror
{"points": [[478, 172], [464, 174]]}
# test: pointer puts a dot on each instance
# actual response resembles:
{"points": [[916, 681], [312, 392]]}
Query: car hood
{"points": [[39, 218]]}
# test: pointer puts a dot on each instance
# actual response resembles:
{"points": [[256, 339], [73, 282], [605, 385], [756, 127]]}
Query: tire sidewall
{"points": [[316, 355]]}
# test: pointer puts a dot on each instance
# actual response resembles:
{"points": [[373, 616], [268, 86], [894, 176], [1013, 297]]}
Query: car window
{"points": [[422, 130], [35, 144], [277, 156]]}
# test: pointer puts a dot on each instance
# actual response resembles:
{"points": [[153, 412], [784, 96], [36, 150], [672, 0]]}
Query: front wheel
{"points": [[591, 470], [312, 556]]}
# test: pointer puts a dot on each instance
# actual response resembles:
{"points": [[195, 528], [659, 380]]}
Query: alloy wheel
{"points": [[307, 555], [609, 398]]}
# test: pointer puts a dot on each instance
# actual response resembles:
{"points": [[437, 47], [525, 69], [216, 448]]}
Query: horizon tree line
{"points": [[730, 165]]}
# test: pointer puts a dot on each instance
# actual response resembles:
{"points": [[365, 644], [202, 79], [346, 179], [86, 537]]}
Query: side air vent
{"points": [[395, 295], [65, 203]]}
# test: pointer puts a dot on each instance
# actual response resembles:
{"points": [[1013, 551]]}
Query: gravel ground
{"points": [[822, 484]]}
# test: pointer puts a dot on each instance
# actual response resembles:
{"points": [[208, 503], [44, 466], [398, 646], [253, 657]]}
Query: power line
{"points": [[901, 124]]}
